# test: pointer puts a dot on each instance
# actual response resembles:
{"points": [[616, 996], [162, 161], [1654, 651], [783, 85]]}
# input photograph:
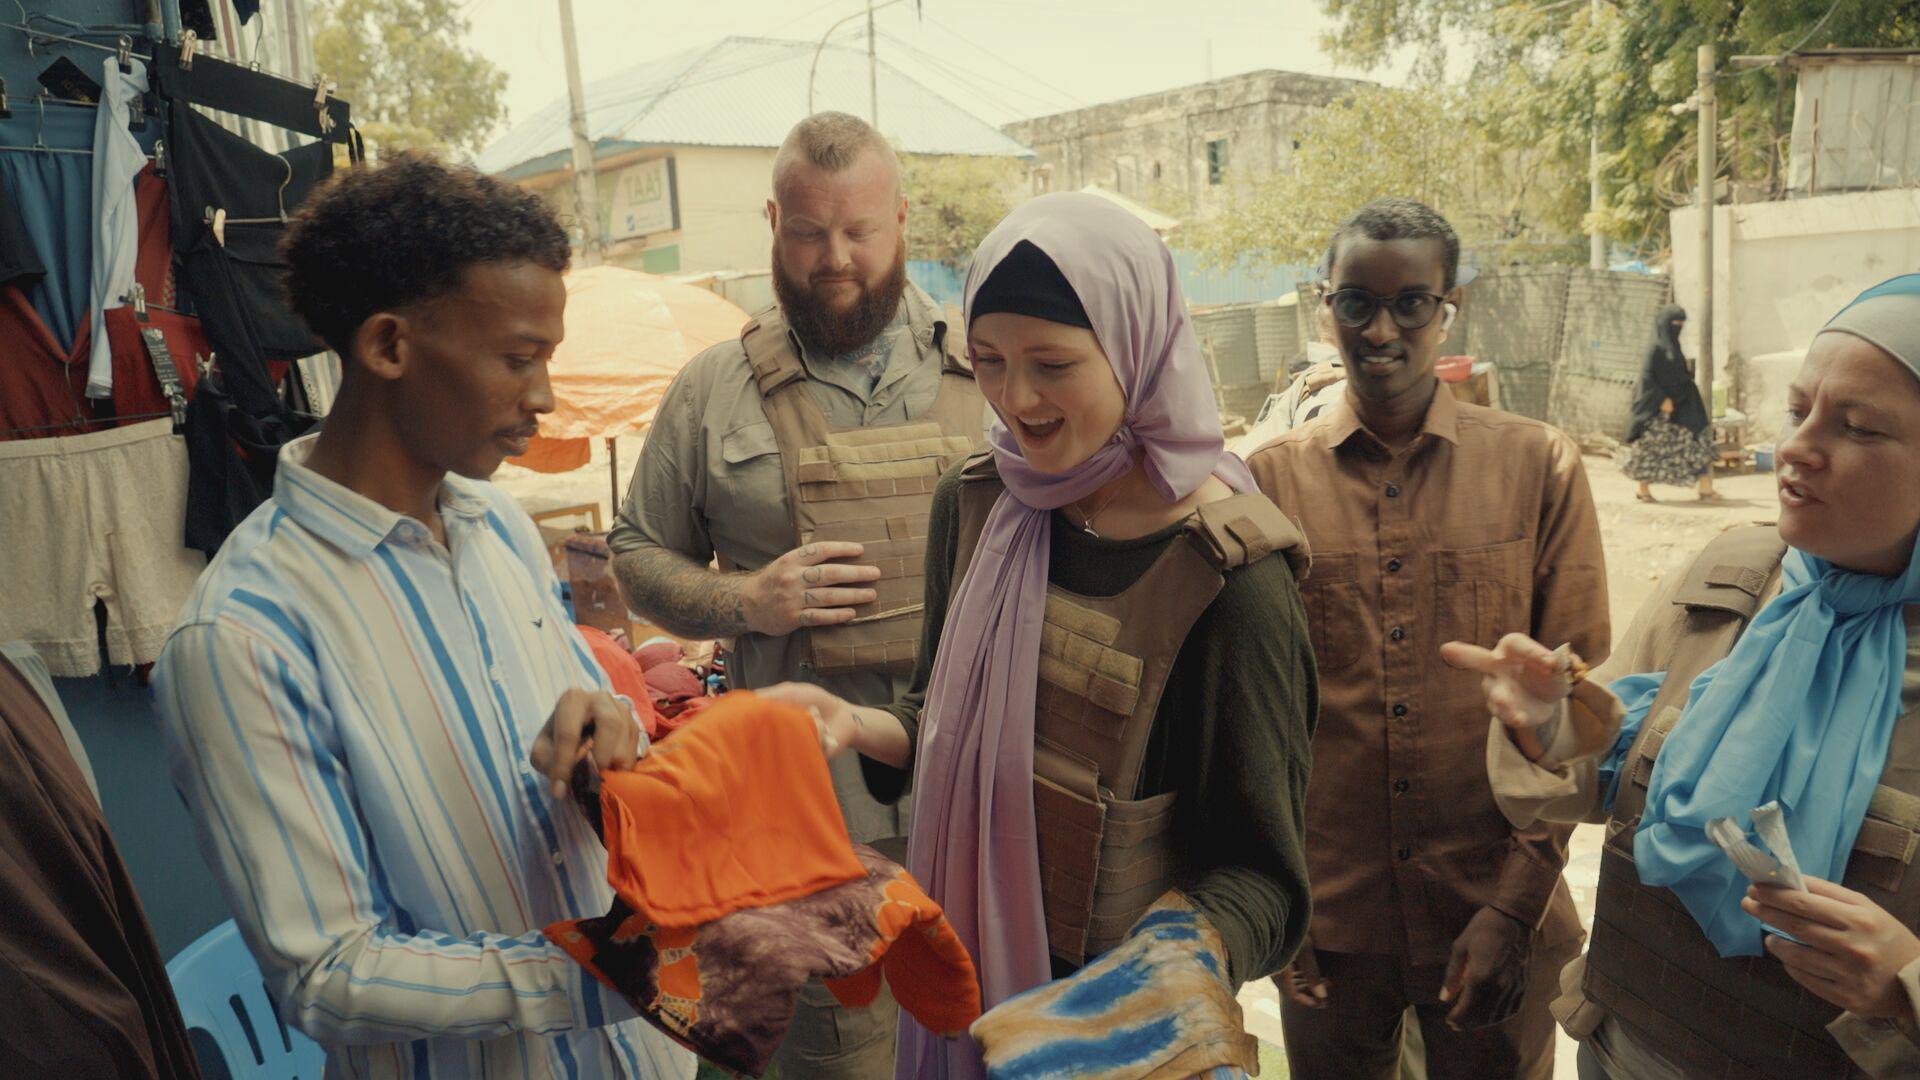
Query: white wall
{"points": [[723, 197], [1781, 269]]}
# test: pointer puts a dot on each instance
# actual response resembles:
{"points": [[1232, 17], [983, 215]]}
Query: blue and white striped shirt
{"points": [[348, 708]]}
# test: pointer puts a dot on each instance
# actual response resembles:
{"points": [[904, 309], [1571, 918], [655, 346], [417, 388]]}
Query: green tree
{"points": [[954, 201], [1546, 72], [1378, 141], [411, 81]]}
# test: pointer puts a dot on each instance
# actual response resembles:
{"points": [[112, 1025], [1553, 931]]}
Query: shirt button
{"points": [[1397, 634], [1393, 491], [495, 674], [1404, 853], [1393, 566], [1400, 787], [1399, 710]]}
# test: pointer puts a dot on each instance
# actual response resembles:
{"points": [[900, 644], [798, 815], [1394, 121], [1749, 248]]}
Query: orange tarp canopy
{"points": [[628, 335]]}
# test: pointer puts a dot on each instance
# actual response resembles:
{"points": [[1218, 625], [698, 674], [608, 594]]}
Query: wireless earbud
{"points": [[1447, 323]]}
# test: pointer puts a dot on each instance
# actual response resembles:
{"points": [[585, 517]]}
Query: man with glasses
{"points": [[1431, 520]]}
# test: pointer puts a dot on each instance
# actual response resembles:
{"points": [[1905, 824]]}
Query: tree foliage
{"points": [[1545, 73], [411, 81], [953, 202], [1424, 143]]}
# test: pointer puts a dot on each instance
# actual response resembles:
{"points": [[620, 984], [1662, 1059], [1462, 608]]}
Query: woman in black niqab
{"points": [[1670, 439]]}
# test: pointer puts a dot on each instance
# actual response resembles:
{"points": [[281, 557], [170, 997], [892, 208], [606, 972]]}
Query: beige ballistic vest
{"points": [[1649, 964], [1106, 854], [869, 485]]}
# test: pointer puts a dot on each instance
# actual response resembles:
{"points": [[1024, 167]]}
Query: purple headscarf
{"points": [[974, 845]]}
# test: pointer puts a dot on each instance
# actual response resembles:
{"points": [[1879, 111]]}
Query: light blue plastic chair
{"points": [[234, 1028]]}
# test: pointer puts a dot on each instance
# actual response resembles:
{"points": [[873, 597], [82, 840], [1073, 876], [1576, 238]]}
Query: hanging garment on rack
{"points": [[20, 263], [42, 379], [233, 453], [117, 160], [217, 84], [114, 499], [54, 194], [212, 169]]}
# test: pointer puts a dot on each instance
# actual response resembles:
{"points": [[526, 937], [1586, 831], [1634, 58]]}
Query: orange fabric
{"points": [[555, 455], [625, 674], [928, 968], [735, 811]]}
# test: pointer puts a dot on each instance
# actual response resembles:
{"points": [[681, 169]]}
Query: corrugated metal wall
{"points": [[1607, 324], [1512, 317], [1856, 127]]}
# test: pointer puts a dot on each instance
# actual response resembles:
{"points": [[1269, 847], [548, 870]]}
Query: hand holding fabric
{"points": [[1853, 950], [586, 724], [1156, 1006], [1487, 976]]}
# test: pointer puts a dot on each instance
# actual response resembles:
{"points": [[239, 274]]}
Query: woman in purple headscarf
{"points": [[1109, 728]]}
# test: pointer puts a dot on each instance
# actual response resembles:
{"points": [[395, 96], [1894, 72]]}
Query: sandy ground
{"points": [[1644, 542]]}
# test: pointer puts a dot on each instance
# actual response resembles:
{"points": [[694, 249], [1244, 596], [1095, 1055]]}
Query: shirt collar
{"points": [[1442, 419], [349, 520]]}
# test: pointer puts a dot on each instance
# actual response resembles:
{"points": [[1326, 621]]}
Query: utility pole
{"points": [[1703, 195], [1596, 243], [586, 196], [873, 74]]}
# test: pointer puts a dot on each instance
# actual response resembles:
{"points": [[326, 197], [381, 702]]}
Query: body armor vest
{"points": [[1106, 853], [868, 485], [1650, 966]]}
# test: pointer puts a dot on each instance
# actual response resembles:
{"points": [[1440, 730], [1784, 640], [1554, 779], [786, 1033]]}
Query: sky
{"points": [[1003, 60]]}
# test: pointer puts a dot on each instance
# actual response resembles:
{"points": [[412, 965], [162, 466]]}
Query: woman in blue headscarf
{"points": [[1763, 803]]}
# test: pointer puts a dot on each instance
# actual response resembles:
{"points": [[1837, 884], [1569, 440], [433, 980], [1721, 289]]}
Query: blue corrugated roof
{"points": [[742, 91]]}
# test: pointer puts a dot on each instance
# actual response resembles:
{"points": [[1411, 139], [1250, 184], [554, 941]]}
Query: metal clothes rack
{"points": [[10, 432]]}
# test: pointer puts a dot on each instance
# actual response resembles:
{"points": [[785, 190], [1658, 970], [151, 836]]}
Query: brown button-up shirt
{"points": [[1482, 526]]}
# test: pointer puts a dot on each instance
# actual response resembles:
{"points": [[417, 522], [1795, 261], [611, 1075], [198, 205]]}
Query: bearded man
{"points": [[803, 458]]}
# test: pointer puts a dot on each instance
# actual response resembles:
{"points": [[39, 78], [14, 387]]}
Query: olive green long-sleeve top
{"points": [[1232, 733]]}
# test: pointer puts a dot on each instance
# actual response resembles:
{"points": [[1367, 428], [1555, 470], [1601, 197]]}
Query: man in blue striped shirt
{"points": [[374, 696]]}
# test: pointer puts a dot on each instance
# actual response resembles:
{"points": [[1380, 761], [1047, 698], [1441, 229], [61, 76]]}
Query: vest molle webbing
{"points": [[871, 486], [1649, 965], [1106, 854]]}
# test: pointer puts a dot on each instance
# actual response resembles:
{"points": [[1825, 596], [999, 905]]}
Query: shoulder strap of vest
{"points": [[1243, 529], [951, 340], [1721, 592], [770, 351]]}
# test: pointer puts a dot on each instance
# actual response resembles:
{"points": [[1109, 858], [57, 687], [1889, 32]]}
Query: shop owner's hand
{"points": [[586, 723], [1487, 976]]}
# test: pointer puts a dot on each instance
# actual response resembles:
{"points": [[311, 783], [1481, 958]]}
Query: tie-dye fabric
{"points": [[726, 989], [1157, 1007]]}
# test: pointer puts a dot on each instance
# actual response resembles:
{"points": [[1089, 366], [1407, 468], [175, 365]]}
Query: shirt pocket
{"points": [[1481, 594], [1337, 615], [751, 483]]}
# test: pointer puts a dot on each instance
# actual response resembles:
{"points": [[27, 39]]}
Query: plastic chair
{"points": [[234, 1028]]}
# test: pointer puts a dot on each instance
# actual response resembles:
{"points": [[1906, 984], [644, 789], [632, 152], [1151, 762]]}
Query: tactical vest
{"points": [[872, 486], [1649, 965], [1106, 854]]}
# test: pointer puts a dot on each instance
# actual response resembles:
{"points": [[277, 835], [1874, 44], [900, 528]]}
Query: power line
{"points": [[942, 67], [989, 53]]}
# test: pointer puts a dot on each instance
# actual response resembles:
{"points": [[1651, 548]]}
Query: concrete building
{"points": [[1192, 140], [1851, 219], [683, 145]]}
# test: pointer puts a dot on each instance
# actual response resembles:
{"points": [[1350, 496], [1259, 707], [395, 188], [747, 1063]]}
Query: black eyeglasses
{"points": [[1356, 308]]}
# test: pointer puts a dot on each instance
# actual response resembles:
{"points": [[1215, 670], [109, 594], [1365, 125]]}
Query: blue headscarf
{"points": [[1802, 710]]}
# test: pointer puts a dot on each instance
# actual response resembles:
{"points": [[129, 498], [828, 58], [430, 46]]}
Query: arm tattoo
{"points": [[682, 596]]}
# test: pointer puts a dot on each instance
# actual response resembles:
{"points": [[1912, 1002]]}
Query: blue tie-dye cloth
{"points": [[1157, 1007]]}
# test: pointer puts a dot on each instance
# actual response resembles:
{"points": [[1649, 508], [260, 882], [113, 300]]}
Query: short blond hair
{"points": [[832, 141]]}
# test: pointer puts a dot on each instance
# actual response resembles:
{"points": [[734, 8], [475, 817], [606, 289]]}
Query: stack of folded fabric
{"points": [[736, 884]]}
